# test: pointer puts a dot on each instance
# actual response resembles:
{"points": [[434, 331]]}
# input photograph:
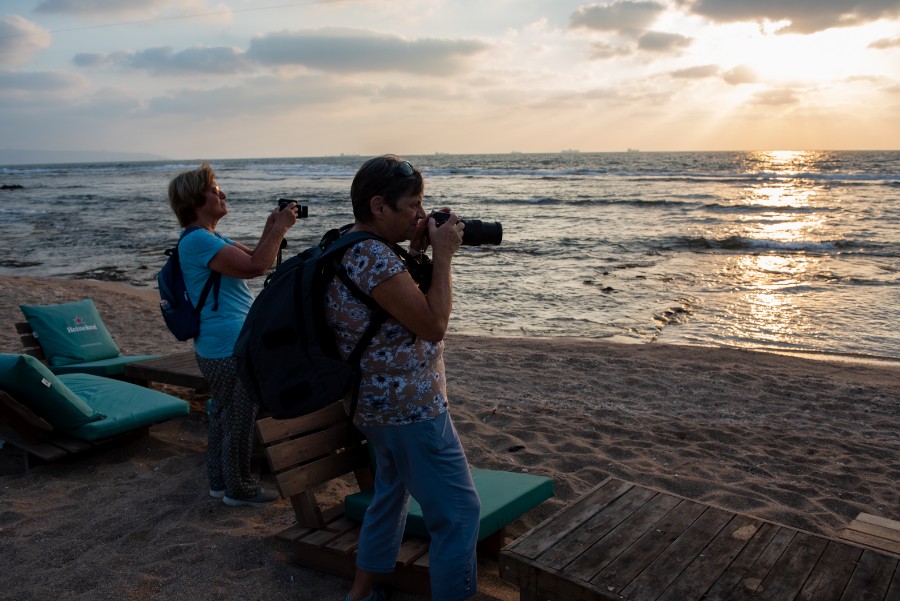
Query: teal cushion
{"points": [[126, 406], [70, 332], [31, 383], [505, 497], [103, 367]]}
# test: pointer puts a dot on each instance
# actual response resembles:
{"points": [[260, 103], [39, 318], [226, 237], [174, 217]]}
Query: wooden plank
{"points": [[667, 567], [832, 573], [750, 581], [47, 451], [619, 573], [27, 425], [293, 533], [789, 574], [29, 341], [872, 577], [272, 430], [877, 520], [347, 542], [297, 451], [712, 561], [875, 532], [546, 534], [177, 369], [616, 542], [568, 548], [688, 552], [872, 541], [408, 578], [299, 479], [733, 577]]}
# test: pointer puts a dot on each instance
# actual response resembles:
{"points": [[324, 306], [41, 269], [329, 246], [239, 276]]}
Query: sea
{"points": [[786, 251]]}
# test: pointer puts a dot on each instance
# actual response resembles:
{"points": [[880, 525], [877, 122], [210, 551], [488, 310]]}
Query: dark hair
{"points": [[187, 192], [382, 176]]}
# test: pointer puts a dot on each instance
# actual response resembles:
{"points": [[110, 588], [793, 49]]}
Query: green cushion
{"points": [[103, 367], [126, 406], [505, 497], [70, 332], [32, 384]]}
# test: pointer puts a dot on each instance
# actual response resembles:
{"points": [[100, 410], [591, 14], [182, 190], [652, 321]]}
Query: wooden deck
{"points": [[178, 369], [624, 541], [874, 532]]}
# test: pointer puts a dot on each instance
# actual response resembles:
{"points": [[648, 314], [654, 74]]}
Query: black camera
{"points": [[302, 210], [476, 232]]}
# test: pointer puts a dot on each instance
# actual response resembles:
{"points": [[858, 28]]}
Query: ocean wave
{"points": [[763, 208], [756, 244]]}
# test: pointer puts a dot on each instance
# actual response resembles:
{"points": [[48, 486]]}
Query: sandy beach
{"points": [[801, 442]]}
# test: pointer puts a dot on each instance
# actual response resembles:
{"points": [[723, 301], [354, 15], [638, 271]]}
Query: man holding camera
{"points": [[402, 399], [199, 204]]}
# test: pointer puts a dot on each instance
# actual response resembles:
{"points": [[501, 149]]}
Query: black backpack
{"points": [[181, 317], [285, 354]]}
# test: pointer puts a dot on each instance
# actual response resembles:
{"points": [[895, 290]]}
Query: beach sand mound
{"points": [[805, 443]]}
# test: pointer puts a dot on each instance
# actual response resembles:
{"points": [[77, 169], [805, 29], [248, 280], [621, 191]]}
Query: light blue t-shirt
{"points": [[218, 329]]}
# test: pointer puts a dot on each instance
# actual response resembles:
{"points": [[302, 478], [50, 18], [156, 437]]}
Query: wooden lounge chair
{"points": [[308, 451], [72, 338], [113, 367], [49, 417]]}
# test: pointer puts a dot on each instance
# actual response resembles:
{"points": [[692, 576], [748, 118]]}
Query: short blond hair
{"points": [[187, 192]]}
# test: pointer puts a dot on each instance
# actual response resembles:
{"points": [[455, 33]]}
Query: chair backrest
{"points": [[309, 450], [21, 420], [29, 341]]}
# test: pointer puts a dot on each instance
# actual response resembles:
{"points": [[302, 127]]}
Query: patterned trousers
{"points": [[232, 417]]}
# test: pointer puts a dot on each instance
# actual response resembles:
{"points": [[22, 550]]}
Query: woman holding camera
{"points": [[199, 204], [402, 399]]}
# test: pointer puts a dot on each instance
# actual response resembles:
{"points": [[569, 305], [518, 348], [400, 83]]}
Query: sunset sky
{"points": [[242, 78]]}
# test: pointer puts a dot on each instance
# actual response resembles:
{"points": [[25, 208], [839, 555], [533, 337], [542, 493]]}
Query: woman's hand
{"points": [[419, 242], [283, 218], [446, 238]]}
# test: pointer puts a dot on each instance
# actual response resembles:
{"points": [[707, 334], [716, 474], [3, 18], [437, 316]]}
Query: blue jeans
{"points": [[425, 459]]}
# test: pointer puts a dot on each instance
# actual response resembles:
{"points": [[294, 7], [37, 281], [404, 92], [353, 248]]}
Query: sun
{"points": [[792, 59]]}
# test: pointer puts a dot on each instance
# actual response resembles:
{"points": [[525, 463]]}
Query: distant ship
{"points": [[633, 150], [569, 151]]}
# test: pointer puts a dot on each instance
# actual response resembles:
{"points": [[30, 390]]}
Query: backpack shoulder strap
{"points": [[336, 247], [213, 282]]}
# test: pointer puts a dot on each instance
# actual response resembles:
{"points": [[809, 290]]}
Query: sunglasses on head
{"points": [[404, 169]]}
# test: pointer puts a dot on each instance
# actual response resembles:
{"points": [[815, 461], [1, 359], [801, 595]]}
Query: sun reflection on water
{"points": [[768, 304], [770, 283]]}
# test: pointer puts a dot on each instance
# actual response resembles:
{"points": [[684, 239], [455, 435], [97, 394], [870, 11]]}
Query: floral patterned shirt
{"points": [[403, 378]]}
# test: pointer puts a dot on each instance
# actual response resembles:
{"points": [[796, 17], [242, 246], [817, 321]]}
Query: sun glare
{"points": [[783, 58]]}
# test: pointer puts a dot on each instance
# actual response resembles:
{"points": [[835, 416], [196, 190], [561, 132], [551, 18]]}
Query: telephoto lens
{"points": [[477, 232]]}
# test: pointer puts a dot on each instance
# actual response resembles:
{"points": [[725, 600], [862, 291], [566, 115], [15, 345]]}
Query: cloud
{"points": [[602, 50], [20, 39], [658, 41], [776, 97], [624, 17], [266, 95], [804, 16], [39, 89], [740, 75], [116, 8], [698, 72], [354, 51], [164, 61], [885, 43]]}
